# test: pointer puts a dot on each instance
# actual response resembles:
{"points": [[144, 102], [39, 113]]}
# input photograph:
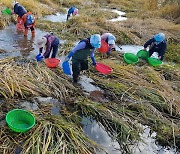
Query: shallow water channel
{"points": [[97, 132], [121, 16], [133, 49], [14, 44], [58, 17]]}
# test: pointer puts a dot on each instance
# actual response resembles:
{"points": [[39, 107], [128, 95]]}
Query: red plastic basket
{"points": [[104, 69], [52, 62], [104, 47]]}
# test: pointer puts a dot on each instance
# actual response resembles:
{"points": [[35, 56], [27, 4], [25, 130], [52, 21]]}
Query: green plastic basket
{"points": [[130, 58], [143, 54], [154, 61], [6, 11], [20, 120]]}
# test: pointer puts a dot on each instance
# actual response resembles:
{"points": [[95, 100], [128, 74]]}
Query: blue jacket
{"points": [[82, 50], [159, 48], [71, 10], [19, 10]]}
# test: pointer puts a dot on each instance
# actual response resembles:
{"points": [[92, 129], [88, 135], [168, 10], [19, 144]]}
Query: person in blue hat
{"points": [[73, 11], [110, 40], [80, 53], [157, 44]]}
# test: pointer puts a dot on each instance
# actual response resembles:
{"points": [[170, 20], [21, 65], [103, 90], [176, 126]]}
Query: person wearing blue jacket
{"points": [[19, 10], [157, 44], [73, 11], [80, 53]]}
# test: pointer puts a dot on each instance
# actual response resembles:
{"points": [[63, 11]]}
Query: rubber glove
{"points": [[94, 64], [93, 61], [39, 57]]}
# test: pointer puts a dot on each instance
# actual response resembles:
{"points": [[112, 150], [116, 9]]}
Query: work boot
{"points": [[33, 33], [26, 32], [75, 80]]}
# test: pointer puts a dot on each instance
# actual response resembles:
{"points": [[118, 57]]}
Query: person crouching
{"points": [[51, 43]]}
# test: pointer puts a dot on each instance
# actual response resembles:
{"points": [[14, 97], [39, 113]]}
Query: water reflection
{"points": [[96, 132], [121, 16], [148, 144], [26, 46], [86, 84], [129, 48], [58, 17], [133, 49], [14, 43]]}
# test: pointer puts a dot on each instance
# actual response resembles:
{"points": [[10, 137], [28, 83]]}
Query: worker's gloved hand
{"points": [[39, 57], [66, 59], [94, 63]]}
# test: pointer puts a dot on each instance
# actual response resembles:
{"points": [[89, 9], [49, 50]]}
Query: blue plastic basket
{"points": [[66, 68]]}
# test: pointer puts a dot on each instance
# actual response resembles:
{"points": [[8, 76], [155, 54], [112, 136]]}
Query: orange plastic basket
{"points": [[52, 62], [104, 47]]}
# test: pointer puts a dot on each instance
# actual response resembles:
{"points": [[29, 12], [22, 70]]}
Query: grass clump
{"points": [[125, 132], [51, 134], [21, 80]]}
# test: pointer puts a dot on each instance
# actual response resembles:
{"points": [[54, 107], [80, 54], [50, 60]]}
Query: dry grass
{"points": [[148, 90], [51, 134], [37, 8], [30, 79], [170, 11]]}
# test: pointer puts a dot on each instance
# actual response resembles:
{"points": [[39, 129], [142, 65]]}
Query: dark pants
{"points": [[31, 28], [152, 51], [54, 48], [77, 66]]}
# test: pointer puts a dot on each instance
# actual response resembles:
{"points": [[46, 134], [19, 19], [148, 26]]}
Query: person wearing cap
{"points": [[20, 11], [157, 44], [110, 40], [73, 11], [51, 42], [29, 23], [22, 18], [80, 53]]}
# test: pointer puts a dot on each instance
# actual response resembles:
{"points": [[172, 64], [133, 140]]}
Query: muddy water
{"points": [[129, 48], [58, 17], [14, 44], [133, 49], [97, 133], [148, 145], [121, 16], [86, 84]]}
